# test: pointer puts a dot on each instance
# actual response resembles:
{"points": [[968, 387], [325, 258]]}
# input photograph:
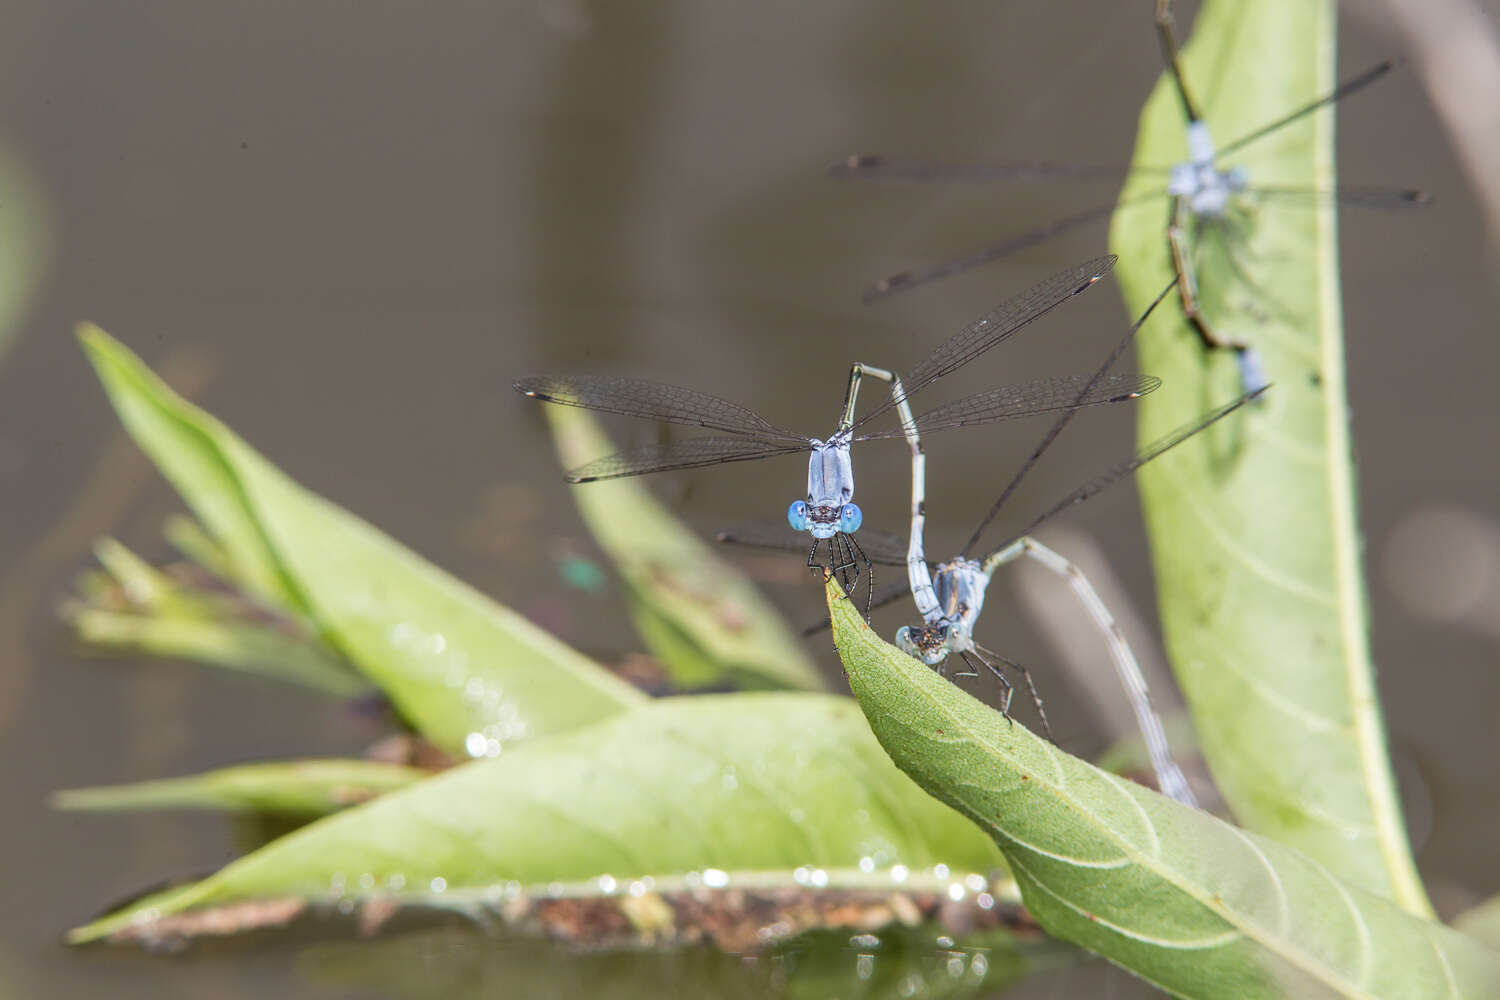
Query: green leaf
{"points": [[302, 787], [149, 612], [1176, 896], [696, 613], [1254, 527], [250, 648], [188, 537], [452, 661], [1482, 922], [748, 791]]}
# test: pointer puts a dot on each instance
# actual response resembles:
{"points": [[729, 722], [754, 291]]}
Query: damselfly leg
{"points": [[992, 659]]}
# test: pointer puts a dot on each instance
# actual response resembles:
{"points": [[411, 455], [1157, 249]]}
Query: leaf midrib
{"points": [[1252, 931]]}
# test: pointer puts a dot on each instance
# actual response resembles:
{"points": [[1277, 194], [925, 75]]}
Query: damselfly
{"points": [[828, 511], [950, 597], [1204, 192]]}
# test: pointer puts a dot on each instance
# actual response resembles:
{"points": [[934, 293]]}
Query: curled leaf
{"points": [[1176, 896]]}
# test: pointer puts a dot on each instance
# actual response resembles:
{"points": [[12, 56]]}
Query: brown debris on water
{"points": [[751, 921], [172, 932]]}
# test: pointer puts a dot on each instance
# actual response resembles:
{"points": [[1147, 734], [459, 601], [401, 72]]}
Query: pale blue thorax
{"points": [[829, 507], [830, 489], [1205, 187]]}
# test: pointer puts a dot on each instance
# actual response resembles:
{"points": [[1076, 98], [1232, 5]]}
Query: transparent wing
{"points": [[1029, 399], [907, 280], [1062, 421], [879, 546], [653, 400], [1343, 90], [1153, 450], [690, 454], [1390, 199], [884, 168], [998, 325]]}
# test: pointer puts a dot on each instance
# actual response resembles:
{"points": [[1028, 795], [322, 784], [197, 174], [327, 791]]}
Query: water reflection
{"points": [[910, 963]]}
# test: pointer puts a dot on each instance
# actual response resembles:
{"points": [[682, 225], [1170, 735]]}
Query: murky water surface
{"points": [[343, 229]]}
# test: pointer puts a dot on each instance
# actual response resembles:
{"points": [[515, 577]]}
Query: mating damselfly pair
{"points": [[1203, 194], [949, 601]]}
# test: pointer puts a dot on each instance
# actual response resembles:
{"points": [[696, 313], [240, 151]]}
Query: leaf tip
{"points": [[89, 333], [63, 798]]}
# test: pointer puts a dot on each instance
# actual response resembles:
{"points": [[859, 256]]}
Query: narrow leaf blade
{"points": [[302, 787], [1254, 529], [454, 662], [251, 648]]}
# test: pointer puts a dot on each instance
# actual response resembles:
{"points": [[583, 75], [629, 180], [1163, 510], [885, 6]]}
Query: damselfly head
{"points": [[824, 520], [928, 643]]}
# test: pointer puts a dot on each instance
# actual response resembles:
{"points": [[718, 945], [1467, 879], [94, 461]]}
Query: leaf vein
{"points": [[1194, 944], [1283, 905], [1207, 516], [1268, 694]]}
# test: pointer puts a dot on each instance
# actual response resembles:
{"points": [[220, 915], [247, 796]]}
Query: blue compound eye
{"points": [[850, 518], [796, 515]]}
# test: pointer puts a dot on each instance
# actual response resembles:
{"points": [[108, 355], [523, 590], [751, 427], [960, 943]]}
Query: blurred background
{"points": [[344, 228]]}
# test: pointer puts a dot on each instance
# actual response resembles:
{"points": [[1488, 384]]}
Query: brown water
{"points": [[345, 227]]}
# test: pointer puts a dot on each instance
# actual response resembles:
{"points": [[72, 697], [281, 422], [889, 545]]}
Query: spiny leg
{"points": [[852, 561], [1187, 278], [812, 559], [985, 655], [1251, 371], [1007, 690], [1169, 776], [858, 553], [837, 564], [842, 562]]}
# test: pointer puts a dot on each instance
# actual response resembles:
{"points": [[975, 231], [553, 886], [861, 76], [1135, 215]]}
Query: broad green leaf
{"points": [[456, 664], [148, 612], [696, 613], [1178, 897], [749, 791], [459, 964], [1482, 922], [302, 787], [1254, 526]]}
